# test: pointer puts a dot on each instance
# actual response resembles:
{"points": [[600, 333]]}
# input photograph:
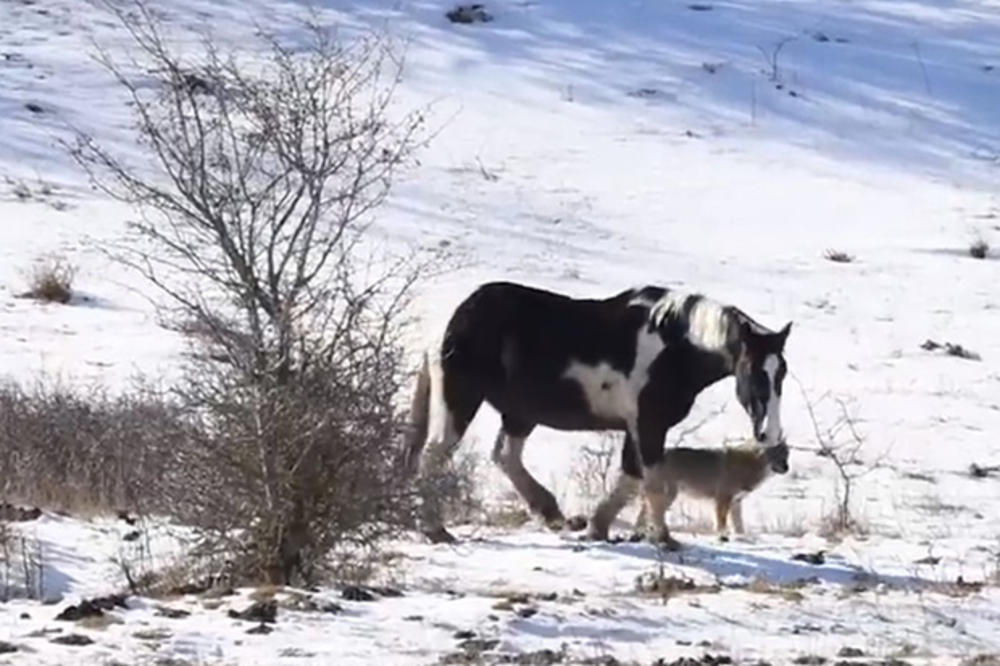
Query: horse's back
{"points": [[514, 344], [498, 315]]}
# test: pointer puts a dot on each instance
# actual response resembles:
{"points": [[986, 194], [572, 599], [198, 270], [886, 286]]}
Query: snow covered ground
{"points": [[588, 146]]}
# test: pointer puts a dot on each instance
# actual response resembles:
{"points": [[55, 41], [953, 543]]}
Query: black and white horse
{"points": [[633, 362]]}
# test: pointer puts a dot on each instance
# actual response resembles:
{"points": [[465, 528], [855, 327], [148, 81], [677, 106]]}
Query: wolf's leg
{"points": [[736, 513], [722, 506]]}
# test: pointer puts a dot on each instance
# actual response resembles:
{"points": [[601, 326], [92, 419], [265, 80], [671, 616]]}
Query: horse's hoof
{"points": [[440, 535], [724, 538], [636, 537], [576, 523]]}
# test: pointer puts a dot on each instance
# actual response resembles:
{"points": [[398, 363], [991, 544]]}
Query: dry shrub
{"points": [[789, 591], [979, 248], [832, 524], [22, 565], [263, 249], [596, 467], [957, 588], [838, 256], [51, 280], [657, 583], [458, 485], [982, 660], [507, 516], [86, 451], [279, 476]]}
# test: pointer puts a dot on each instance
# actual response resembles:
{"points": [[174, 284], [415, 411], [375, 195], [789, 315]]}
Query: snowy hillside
{"points": [[588, 146]]}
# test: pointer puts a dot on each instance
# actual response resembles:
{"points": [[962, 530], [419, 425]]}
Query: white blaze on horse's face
{"points": [[771, 428]]}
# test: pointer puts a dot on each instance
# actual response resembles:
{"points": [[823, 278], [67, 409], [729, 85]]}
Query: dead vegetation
{"points": [[979, 248], [790, 591], [22, 565], [951, 349], [957, 588], [254, 227], [978, 471], [665, 587], [838, 256], [475, 13], [85, 451], [842, 443], [772, 58], [459, 486], [50, 280], [596, 467], [40, 191]]}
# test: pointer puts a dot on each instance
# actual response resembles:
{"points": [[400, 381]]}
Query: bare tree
{"points": [[842, 443], [254, 221]]}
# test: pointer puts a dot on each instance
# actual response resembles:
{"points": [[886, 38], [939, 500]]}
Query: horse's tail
{"points": [[416, 435]]}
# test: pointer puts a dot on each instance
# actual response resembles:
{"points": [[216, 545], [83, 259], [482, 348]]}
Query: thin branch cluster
{"points": [[253, 218]]}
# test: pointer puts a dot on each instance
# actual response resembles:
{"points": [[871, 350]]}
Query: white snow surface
{"points": [[626, 143]]}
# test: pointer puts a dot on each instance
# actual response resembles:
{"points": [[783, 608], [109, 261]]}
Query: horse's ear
{"points": [[783, 333]]}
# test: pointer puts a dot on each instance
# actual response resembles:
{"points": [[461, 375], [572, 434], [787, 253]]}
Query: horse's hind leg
{"points": [[449, 417], [507, 451]]}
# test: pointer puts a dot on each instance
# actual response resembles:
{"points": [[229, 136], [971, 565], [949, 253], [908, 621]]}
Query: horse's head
{"points": [[760, 371]]}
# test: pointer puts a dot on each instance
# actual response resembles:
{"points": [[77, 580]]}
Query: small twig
{"points": [[772, 58], [487, 175]]}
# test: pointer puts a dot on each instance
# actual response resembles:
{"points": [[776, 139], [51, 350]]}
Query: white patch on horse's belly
{"points": [[607, 390]]}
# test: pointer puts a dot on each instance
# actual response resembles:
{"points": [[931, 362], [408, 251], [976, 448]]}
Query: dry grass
{"points": [[838, 256], [793, 525], [154, 635], [86, 452], [932, 504], [958, 588], [595, 468], [265, 593], [833, 528], [658, 584], [508, 516], [458, 486], [22, 565], [979, 248], [51, 280], [99, 622], [787, 591]]}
